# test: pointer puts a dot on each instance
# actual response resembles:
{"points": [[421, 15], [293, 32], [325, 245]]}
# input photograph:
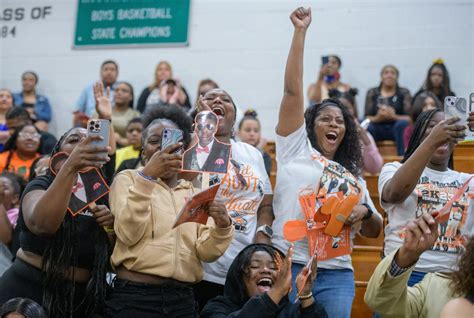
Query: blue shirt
{"points": [[42, 107], [86, 102]]}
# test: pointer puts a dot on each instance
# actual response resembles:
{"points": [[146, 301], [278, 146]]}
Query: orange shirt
{"points": [[17, 165]]}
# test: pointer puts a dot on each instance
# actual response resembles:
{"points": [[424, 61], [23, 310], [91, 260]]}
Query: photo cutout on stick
{"points": [[89, 187], [208, 154]]}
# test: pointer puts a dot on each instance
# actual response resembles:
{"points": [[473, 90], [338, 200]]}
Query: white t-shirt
{"points": [[433, 191], [242, 202], [301, 168]]}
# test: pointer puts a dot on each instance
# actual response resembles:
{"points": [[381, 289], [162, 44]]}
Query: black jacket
{"points": [[236, 304], [218, 151]]}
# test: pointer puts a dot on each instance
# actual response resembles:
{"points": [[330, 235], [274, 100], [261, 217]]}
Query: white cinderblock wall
{"points": [[243, 45]]}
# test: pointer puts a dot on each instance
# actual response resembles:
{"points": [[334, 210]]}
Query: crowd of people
{"points": [[122, 256]]}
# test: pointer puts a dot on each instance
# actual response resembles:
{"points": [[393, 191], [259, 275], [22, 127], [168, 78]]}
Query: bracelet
{"points": [[305, 297], [369, 212], [141, 174]]}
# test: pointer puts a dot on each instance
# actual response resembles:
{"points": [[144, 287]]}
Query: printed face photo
{"points": [[207, 154]]}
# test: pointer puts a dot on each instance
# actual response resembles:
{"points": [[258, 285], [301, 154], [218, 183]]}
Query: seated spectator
{"points": [[6, 102], [389, 294], [21, 149], [165, 89], [17, 117], [329, 78], [37, 105], [10, 193], [145, 203], [122, 112], [371, 158], [387, 107], [134, 141], [423, 102], [85, 105], [257, 285], [437, 81], [250, 132], [22, 308]]}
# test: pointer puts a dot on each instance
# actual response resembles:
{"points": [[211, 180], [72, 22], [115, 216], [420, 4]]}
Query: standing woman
{"points": [[423, 183], [21, 150], [329, 78], [154, 94], [155, 263], [63, 259], [437, 81], [304, 139], [37, 105], [6, 102], [245, 190], [388, 107], [123, 112]]}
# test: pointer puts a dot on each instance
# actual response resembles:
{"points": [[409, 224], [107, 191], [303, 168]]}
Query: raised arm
{"points": [[403, 182], [291, 115]]}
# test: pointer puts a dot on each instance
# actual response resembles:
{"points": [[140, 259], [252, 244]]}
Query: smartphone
{"points": [[99, 127], [171, 136], [325, 59], [457, 107]]}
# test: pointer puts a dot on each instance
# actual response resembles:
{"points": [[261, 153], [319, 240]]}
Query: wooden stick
{"points": [[205, 180]]}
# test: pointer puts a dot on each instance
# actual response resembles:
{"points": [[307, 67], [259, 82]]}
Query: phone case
{"points": [[457, 107], [99, 127], [171, 136]]}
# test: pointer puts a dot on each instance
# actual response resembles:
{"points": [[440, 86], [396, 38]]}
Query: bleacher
{"points": [[367, 252]]}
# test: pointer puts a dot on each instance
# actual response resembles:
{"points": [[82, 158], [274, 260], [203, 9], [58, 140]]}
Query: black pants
{"points": [[25, 280], [130, 299], [205, 291]]}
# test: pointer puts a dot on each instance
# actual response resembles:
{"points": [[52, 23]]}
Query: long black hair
{"points": [[418, 134], [349, 152], [10, 145], [445, 86], [60, 253]]}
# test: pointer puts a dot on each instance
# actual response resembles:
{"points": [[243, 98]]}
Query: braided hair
{"points": [[349, 152], [418, 134], [60, 253]]}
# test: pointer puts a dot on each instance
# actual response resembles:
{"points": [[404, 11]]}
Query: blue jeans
{"points": [[415, 278], [334, 289], [390, 131]]}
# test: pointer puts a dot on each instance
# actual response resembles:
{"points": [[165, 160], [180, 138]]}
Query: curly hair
{"points": [[350, 143], [462, 281], [172, 113]]}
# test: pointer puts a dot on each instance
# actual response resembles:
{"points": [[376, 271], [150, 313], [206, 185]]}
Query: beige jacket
{"points": [[391, 297], [145, 212]]}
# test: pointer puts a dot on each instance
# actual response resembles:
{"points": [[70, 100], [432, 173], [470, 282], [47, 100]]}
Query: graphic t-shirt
{"points": [[302, 169], [242, 190], [433, 190], [17, 165]]}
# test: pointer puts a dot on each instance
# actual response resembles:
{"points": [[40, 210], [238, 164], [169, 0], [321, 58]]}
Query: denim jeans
{"points": [[130, 299], [334, 289], [390, 131]]}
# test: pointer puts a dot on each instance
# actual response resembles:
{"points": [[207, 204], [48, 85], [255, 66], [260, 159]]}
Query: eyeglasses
{"points": [[207, 126], [29, 135]]}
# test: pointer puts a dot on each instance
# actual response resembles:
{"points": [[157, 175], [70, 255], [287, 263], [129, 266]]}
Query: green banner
{"points": [[131, 22]]}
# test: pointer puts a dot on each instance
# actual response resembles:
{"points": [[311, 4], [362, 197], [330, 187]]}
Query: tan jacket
{"points": [[391, 297], [145, 212]]}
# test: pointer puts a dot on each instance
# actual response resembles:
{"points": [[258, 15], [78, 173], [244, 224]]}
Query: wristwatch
{"points": [[265, 229], [369, 212]]}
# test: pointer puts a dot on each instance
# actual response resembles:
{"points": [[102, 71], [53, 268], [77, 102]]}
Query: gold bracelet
{"points": [[305, 297]]}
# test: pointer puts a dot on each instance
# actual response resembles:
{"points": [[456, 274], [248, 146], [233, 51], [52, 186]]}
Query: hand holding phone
{"points": [[170, 137], [101, 128]]}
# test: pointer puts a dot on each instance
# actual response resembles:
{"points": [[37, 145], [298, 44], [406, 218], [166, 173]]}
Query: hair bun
{"points": [[250, 113], [334, 93], [439, 60], [353, 91]]}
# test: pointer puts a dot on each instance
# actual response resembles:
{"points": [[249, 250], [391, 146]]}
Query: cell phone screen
{"points": [[325, 59]]}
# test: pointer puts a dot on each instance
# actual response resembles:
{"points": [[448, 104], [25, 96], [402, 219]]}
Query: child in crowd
{"points": [[134, 141], [10, 193], [21, 150], [250, 132]]}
